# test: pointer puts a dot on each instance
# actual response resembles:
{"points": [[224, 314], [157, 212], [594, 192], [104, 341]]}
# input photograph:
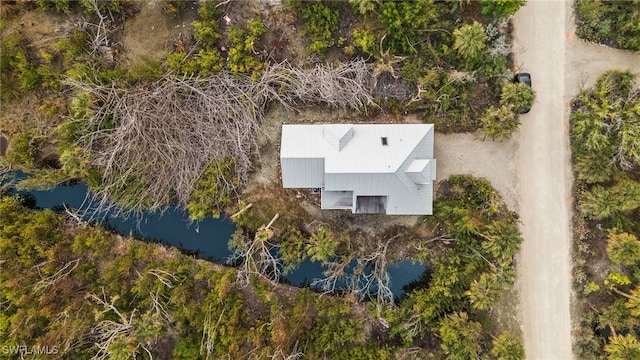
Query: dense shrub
{"points": [[614, 23], [24, 148], [500, 9], [19, 74], [211, 194], [320, 22]]}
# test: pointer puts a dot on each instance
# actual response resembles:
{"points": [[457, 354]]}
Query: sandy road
{"points": [[546, 46], [532, 171], [544, 173]]}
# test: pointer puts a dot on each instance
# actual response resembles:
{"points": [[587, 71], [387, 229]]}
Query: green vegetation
{"points": [[519, 95], [604, 140], [614, 23], [604, 121], [156, 301], [145, 138], [24, 148], [501, 9], [92, 293], [211, 194], [206, 31], [242, 54], [470, 272], [458, 64], [320, 23], [173, 7], [499, 123], [19, 74], [467, 277], [470, 42]]}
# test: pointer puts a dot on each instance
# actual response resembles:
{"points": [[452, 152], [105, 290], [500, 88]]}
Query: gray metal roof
{"points": [[394, 161]]}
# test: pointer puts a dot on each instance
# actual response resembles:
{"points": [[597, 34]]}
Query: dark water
{"points": [[207, 239]]}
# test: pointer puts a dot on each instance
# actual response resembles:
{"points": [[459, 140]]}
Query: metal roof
{"points": [[392, 160]]}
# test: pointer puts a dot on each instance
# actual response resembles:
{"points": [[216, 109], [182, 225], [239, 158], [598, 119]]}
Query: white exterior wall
{"points": [[302, 173]]}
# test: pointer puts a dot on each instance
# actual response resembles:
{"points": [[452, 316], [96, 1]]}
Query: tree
{"points": [[500, 9], [74, 162], [613, 23], [626, 194], [484, 292], [623, 248], [604, 119], [597, 203], [256, 255], [470, 40], [320, 22], [460, 337], [322, 245], [24, 148], [593, 168], [623, 347], [519, 95], [503, 239], [499, 123], [507, 347]]}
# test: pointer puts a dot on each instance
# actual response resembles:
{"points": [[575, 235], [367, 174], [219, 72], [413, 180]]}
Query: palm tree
{"points": [[484, 292], [460, 336], [322, 245], [499, 123], [74, 162], [597, 203], [626, 194], [470, 41], [623, 347], [519, 95], [594, 168], [623, 248], [507, 347], [503, 239]]}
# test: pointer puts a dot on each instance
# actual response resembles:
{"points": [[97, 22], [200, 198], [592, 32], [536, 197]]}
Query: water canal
{"points": [[206, 239]]}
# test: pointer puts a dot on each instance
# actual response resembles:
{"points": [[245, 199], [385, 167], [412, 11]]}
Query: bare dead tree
{"points": [[371, 278], [100, 33], [335, 273], [257, 256], [167, 132], [107, 331], [126, 327], [159, 301], [46, 281], [209, 332]]}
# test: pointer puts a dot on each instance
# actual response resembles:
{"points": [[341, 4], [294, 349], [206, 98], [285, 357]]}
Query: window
{"points": [[384, 141]]}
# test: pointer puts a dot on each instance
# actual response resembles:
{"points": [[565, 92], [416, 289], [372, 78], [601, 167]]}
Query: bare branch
{"points": [[167, 132]]}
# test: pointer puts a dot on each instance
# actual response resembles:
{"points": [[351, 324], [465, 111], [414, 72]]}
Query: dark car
{"points": [[524, 78]]}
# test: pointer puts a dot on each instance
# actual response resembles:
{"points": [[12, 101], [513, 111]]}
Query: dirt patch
{"points": [[266, 174], [39, 27], [492, 160], [152, 33], [505, 314]]}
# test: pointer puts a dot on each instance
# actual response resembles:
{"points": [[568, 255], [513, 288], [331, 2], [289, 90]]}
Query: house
{"points": [[369, 168]]}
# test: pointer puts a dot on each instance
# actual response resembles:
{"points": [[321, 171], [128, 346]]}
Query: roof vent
{"points": [[420, 171], [384, 141], [338, 135]]}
